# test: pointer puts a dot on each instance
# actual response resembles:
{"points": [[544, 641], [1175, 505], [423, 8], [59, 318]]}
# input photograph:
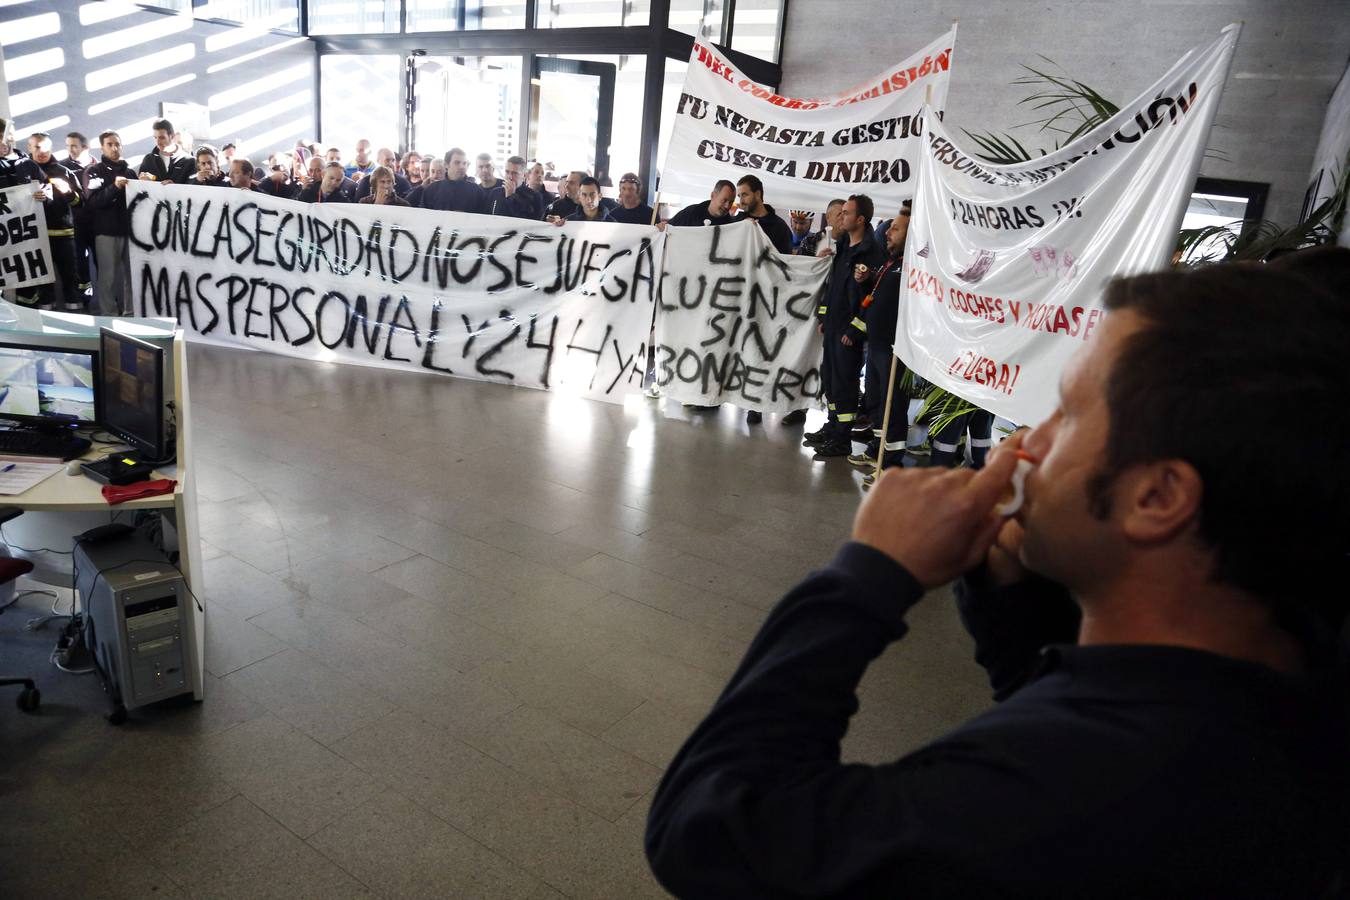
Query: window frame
{"points": [[655, 41]]}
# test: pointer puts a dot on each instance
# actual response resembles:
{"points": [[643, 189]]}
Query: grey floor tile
{"points": [[232, 642], [441, 633], [399, 850], [720, 614], [356, 544], [288, 774], [318, 700], [653, 674], [553, 838], [437, 582], [655, 731], [237, 850], [159, 776], [265, 548], [41, 831], [222, 708], [331, 581], [593, 774], [561, 685], [383, 664], [244, 590]]}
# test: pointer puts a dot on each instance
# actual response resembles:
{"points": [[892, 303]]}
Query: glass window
{"points": [[359, 98], [755, 27], [468, 102], [591, 13], [701, 18], [175, 5], [283, 15], [671, 88], [573, 129], [443, 15], [353, 16]]}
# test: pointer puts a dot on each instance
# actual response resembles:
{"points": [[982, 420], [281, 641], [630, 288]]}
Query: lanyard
{"points": [[867, 301]]}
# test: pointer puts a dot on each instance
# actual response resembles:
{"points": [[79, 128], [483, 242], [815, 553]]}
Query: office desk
{"points": [[77, 493]]}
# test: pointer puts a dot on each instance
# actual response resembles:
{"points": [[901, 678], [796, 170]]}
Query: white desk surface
{"points": [[79, 493]]}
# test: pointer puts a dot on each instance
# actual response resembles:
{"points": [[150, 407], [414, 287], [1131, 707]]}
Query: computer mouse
{"points": [[73, 467]]}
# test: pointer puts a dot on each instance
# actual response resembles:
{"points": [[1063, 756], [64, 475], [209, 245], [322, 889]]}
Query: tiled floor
{"points": [[454, 632]]}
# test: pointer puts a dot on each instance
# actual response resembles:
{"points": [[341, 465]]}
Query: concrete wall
{"points": [[1289, 59], [88, 67]]}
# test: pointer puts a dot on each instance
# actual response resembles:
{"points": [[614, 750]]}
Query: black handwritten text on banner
{"points": [[25, 254], [494, 299], [866, 139], [737, 321]]}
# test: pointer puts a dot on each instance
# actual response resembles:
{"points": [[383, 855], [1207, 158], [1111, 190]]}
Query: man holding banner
{"points": [[716, 210], [856, 258], [881, 308]]}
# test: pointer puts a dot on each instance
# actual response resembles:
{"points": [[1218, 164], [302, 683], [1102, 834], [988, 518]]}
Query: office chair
{"points": [[10, 570]]}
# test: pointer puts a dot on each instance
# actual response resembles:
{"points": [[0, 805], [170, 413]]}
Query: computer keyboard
{"points": [[36, 443]]}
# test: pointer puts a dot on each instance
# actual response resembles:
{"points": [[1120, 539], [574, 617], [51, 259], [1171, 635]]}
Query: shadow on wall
{"points": [[93, 66]]}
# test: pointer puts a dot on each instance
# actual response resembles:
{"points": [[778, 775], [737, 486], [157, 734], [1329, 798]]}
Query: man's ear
{"points": [[1160, 500]]}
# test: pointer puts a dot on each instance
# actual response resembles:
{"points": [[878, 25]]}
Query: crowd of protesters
{"points": [[83, 195]]}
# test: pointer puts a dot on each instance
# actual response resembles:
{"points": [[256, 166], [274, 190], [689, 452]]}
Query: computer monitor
{"points": [[49, 387], [133, 392]]}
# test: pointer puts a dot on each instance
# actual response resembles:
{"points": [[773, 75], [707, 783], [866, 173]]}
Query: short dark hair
{"points": [[40, 135], [483, 156], [84, 141], [864, 205], [452, 151], [244, 165], [1222, 346], [207, 149], [751, 182], [516, 161], [229, 146], [103, 136], [162, 125], [722, 185], [588, 180], [833, 203]]}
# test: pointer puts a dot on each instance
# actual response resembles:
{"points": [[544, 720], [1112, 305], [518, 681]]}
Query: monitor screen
{"points": [[48, 385], [133, 391]]}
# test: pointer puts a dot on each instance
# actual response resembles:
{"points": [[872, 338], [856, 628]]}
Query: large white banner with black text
{"points": [[1004, 265], [496, 299], [25, 254], [807, 151], [737, 321]]}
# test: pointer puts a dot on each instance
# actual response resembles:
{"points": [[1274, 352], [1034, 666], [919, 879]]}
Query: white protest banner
{"points": [[25, 254], [495, 299], [1004, 265], [866, 139], [737, 320]]}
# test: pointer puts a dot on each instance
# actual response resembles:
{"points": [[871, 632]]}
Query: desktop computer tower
{"points": [[135, 604]]}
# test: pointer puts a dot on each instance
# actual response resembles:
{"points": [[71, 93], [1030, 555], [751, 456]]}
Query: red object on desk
{"points": [[121, 493]]}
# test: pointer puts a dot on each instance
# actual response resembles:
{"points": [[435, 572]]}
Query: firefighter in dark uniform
{"points": [[857, 257], [881, 312]]}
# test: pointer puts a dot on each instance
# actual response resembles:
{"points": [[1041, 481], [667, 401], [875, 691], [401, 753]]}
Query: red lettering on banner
{"points": [[979, 369], [1075, 322], [981, 305], [921, 282], [713, 63]]}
